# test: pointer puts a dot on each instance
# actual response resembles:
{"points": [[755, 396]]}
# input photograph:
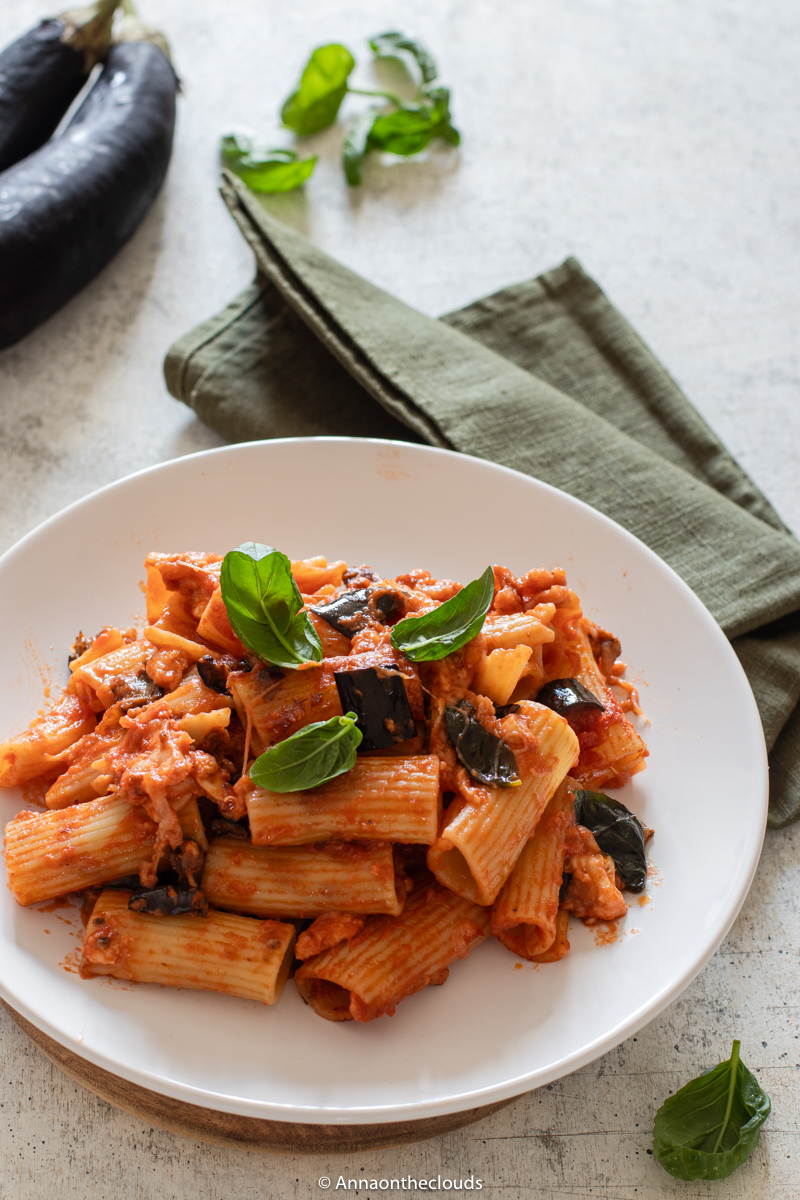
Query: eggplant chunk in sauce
{"points": [[377, 695]]}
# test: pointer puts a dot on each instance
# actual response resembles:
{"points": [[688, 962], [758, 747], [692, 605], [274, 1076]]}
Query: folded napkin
{"points": [[545, 377]]}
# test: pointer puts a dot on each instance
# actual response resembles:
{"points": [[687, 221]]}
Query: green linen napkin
{"points": [[545, 377]]}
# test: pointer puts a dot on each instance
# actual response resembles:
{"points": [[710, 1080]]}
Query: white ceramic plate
{"points": [[493, 1031]]}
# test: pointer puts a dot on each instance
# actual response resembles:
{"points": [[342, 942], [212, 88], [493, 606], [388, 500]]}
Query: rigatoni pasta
{"points": [[525, 914], [484, 829], [367, 975], [383, 799], [165, 781], [218, 953], [51, 854], [303, 881]]}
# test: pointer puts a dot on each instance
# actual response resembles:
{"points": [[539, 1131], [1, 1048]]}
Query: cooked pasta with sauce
{"points": [[304, 767]]}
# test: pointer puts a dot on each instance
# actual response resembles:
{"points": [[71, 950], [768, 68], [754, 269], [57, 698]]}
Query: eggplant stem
{"points": [[89, 29], [133, 29]]}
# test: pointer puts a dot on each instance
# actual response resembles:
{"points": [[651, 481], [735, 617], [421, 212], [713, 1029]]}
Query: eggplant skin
{"points": [[40, 76], [68, 208]]}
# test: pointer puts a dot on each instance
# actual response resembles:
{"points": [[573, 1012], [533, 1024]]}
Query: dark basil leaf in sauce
{"points": [[168, 901], [378, 697], [310, 757], [617, 832], [503, 710], [712, 1125], [486, 757], [569, 698]]}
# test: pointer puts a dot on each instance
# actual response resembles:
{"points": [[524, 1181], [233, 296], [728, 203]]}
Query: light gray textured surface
{"points": [[657, 140]]}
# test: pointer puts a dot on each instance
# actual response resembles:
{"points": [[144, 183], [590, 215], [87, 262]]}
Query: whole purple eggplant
{"points": [[42, 72], [66, 209]]}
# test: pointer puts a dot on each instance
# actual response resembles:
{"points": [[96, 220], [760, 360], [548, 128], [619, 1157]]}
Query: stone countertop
{"points": [[657, 142]]}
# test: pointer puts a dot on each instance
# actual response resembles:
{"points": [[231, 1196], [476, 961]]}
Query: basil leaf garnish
{"points": [[263, 169], [617, 832], [395, 44], [314, 103], [438, 633], [486, 757], [264, 606], [710, 1127], [310, 757]]}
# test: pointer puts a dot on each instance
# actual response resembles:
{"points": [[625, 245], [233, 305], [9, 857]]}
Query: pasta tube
{"points": [[217, 953], [103, 681], [50, 854], [484, 830], [83, 779], [37, 750], [524, 916], [392, 957], [381, 799], [302, 881]]}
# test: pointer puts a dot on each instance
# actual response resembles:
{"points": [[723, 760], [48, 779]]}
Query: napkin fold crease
{"points": [[546, 377]]}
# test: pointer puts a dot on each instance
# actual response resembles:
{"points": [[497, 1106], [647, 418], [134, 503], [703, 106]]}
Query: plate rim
{"points": [[459, 1102]]}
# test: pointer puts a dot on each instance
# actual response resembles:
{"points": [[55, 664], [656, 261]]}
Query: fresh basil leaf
{"points": [[310, 757], [265, 607], [409, 129], [314, 103], [440, 97], [711, 1126], [617, 832], [486, 757], [263, 169], [355, 145], [395, 44], [438, 633]]}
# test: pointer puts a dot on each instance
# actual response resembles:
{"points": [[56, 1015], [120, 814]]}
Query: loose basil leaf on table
{"points": [[411, 128], [710, 1127], [395, 44], [438, 633], [263, 169], [315, 102], [310, 757], [356, 145], [617, 832], [264, 606], [486, 757]]}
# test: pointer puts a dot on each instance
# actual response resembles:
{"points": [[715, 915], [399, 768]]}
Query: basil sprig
{"points": [[710, 1127], [450, 626], [310, 757], [264, 169], [395, 45], [407, 130], [314, 103], [264, 606]]}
